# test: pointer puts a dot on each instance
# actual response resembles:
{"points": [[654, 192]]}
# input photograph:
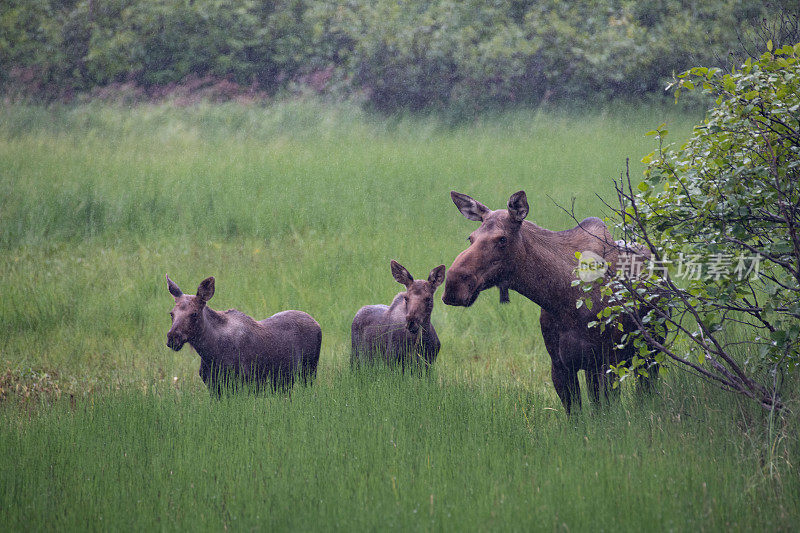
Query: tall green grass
{"points": [[232, 171], [298, 205], [374, 450]]}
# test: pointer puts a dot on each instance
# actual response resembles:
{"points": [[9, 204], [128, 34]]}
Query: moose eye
{"points": [[502, 240], [194, 315]]}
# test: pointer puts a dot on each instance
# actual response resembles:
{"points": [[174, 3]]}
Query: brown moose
{"points": [[510, 252], [235, 349], [400, 333]]}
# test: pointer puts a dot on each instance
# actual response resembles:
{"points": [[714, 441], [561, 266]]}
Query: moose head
{"points": [[187, 315], [490, 258], [418, 296]]}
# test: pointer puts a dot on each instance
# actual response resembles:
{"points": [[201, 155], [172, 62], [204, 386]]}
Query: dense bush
{"points": [[722, 215], [410, 54]]}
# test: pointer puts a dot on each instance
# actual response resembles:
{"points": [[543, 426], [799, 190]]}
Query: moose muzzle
{"points": [[175, 341], [460, 288]]}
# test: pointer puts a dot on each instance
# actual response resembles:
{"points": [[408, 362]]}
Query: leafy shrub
{"points": [[729, 201]]}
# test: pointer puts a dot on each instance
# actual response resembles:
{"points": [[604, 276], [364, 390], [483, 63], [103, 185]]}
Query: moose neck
{"points": [[544, 269], [206, 342]]}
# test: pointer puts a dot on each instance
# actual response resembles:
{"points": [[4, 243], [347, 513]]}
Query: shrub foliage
{"points": [[722, 216], [394, 53]]}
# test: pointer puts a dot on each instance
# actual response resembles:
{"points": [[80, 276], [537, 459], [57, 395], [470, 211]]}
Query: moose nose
{"points": [[413, 327], [459, 288], [174, 342]]}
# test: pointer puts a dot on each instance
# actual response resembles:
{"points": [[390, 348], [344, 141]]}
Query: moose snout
{"points": [[412, 326], [175, 341], [460, 288]]}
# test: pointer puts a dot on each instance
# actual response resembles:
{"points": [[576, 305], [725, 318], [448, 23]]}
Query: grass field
{"points": [[302, 206]]}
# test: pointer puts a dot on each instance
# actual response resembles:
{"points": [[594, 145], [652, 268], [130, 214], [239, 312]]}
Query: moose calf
{"points": [[235, 349], [400, 333]]}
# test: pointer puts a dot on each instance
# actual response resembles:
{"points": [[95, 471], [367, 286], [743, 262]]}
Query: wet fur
{"points": [[539, 264], [380, 332], [236, 349]]}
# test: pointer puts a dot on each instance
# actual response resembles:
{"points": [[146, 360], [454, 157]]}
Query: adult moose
{"points": [[510, 252], [234, 348], [400, 333]]}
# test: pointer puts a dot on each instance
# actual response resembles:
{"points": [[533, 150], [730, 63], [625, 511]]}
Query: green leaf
{"points": [[728, 83]]}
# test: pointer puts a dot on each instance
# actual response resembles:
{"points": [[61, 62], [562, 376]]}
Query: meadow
{"points": [[298, 205]]}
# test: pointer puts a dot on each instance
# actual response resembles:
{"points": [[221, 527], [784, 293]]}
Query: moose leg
{"points": [[596, 378], [644, 384], [647, 384], [574, 352], [282, 378], [356, 346], [597, 382], [565, 380], [504, 299], [205, 372], [308, 372], [308, 368], [594, 381], [206, 376], [211, 376]]}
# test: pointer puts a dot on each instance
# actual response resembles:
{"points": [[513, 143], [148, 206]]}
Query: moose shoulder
{"points": [[510, 252], [233, 346]]}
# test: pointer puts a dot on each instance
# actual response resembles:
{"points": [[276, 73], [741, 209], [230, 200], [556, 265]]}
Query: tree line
{"points": [[390, 54]]}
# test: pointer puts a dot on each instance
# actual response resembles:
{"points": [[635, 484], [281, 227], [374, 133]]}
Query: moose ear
{"points": [[470, 208], [518, 206], [173, 288], [401, 274], [436, 277], [206, 289]]}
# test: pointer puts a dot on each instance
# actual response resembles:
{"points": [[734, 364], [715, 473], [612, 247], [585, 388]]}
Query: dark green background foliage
{"points": [[394, 54]]}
